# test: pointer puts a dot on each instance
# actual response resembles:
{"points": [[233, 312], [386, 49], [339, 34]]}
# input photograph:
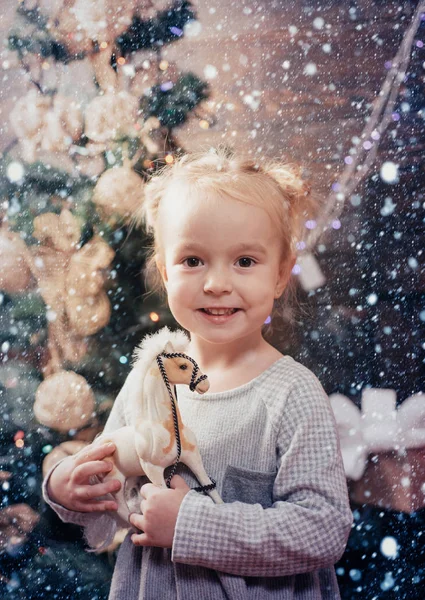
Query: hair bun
{"points": [[303, 204]]}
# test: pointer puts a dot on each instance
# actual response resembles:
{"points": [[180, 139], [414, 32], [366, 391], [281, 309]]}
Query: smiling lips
{"points": [[219, 311]]}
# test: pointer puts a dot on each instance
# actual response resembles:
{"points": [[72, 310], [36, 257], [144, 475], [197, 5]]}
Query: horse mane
{"points": [[155, 343]]}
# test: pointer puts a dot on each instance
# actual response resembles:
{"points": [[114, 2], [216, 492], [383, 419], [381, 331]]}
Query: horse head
{"points": [[181, 368]]}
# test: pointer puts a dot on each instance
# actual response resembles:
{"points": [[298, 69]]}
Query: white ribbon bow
{"points": [[377, 427]]}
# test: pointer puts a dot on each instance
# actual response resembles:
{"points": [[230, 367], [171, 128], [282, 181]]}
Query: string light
{"points": [[169, 159], [18, 438], [203, 124], [163, 65], [19, 435], [154, 317]]}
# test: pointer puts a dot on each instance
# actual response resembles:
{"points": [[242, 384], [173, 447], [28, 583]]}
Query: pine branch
{"points": [[172, 106], [163, 29]]}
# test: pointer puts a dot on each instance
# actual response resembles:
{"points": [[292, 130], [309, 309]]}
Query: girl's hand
{"points": [[69, 483], [160, 508]]}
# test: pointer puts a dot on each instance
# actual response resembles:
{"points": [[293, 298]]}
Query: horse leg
{"points": [[192, 459], [149, 447], [123, 510], [155, 473]]}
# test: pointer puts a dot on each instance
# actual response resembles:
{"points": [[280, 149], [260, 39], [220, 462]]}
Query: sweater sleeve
{"points": [[308, 524], [115, 420]]}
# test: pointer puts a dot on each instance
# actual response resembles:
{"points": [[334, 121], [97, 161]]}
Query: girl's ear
{"points": [[161, 268], [284, 275]]}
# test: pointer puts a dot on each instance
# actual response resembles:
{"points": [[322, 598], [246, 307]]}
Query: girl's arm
{"points": [[54, 480], [310, 519]]}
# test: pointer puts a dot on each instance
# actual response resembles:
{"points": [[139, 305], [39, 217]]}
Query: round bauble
{"points": [[118, 191], [64, 401], [15, 274]]}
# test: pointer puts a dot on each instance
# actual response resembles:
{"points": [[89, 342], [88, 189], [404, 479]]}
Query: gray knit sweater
{"points": [[271, 445]]}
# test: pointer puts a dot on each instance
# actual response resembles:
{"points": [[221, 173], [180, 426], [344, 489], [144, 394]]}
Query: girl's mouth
{"points": [[225, 317], [219, 311]]}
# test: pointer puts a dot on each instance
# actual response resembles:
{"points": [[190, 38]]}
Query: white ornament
{"points": [[309, 272], [378, 427]]}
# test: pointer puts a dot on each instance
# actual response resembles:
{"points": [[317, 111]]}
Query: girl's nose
{"points": [[218, 282]]}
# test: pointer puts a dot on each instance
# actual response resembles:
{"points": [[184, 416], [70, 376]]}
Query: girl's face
{"points": [[219, 253]]}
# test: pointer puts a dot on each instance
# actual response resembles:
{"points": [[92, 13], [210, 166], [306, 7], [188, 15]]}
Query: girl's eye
{"points": [[245, 261], [192, 261]]}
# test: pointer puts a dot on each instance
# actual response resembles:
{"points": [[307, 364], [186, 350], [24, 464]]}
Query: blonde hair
{"points": [[278, 187]]}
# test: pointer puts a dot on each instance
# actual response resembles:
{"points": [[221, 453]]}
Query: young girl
{"points": [[225, 232]]}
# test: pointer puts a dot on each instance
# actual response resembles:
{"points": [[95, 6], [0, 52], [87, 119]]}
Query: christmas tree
{"points": [[73, 300]]}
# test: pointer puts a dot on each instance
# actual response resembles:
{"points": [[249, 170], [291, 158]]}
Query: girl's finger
{"points": [[89, 492], [137, 520], [141, 539], [98, 505], [85, 470], [92, 453], [147, 490]]}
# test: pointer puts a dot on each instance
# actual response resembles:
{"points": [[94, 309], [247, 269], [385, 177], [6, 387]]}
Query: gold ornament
{"points": [[64, 401], [119, 191], [87, 304], [87, 315], [63, 125], [110, 117], [15, 274], [43, 124], [49, 265], [27, 119], [61, 232], [71, 284], [80, 23]]}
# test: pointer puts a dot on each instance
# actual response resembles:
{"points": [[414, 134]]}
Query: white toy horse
{"points": [[157, 437]]}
